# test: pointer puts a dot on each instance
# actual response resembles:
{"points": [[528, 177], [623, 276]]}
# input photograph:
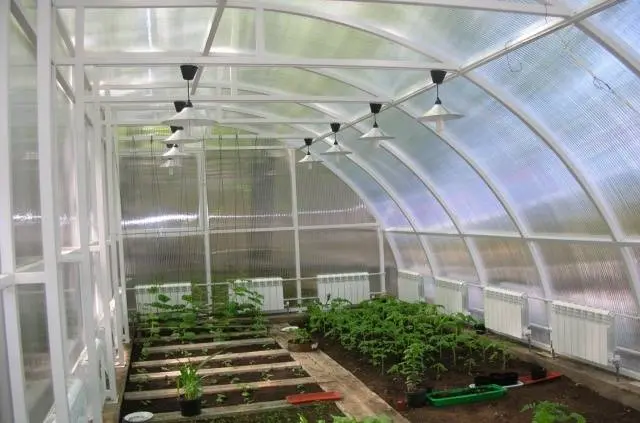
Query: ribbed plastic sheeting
{"points": [[621, 21], [589, 274], [458, 184], [428, 214], [595, 119], [411, 254], [144, 30], [24, 150], [71, 280], [535, 182], [252, 255], [337, 251], [164, 260], [324, 199], [248, 189], [153, 197], [452, 258], [508, 265], [374, 194]]}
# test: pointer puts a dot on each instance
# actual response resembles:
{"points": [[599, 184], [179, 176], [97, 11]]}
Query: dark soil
{"points": [[578, 398], [229, 398], [135, 353], [205, 336], [226, 379], [217, 364]]}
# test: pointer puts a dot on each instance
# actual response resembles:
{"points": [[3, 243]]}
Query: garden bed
{"points": [[392, 387]]}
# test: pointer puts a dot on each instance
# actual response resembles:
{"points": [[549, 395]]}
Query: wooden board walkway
{"points": [[236, 370], [219, 357], [210, 345], [217, 412], [358, 400], [218, 389]]}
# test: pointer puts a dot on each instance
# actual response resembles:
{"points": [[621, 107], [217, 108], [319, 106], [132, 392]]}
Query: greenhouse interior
{"points": [[319, 211]]}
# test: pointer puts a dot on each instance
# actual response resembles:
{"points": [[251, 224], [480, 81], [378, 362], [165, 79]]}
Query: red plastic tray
{"points": [[313, 397], [550, 376]]}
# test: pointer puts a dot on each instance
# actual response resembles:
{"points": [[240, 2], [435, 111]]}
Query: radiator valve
{"points": [[527, 334]]}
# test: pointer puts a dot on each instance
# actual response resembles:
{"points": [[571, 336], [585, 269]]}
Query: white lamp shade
{"points": [[171, 163], [376, 134], [190, 117], [181, 137], [336, 150], [174, 152], [439, 113], [308, 158]]}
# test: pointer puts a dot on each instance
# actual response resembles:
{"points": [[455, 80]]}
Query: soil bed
{"points": [[595, 408], [230, 398], [217, 364], [223, 379], [135, 354]]}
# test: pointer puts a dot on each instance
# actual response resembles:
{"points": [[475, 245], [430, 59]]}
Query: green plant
{"points": [[552, 412], [301, 336], [412, 366], [189, 384], [220, 399]]}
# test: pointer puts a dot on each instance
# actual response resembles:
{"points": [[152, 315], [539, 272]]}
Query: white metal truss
{"points": [[614, 44], [213, 30], [487, 5], [243, 99]]}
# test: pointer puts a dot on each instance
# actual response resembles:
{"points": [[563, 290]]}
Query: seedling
{"points": [[552, 412], [301, 389], [266, 375], [220, 399]]}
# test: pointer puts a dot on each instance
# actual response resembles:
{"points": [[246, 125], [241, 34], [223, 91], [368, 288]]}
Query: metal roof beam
{"points": [[213, 30], [242, 99]]}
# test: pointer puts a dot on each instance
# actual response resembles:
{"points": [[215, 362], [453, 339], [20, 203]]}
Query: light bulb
{"points": [[439, 125], [310, 165]]}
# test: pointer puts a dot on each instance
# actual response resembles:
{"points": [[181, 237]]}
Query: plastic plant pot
{"points": [[482, 380], [466, 395], [190, 408], [303, 347], [503, 379], [417, 399], [538, 372]]}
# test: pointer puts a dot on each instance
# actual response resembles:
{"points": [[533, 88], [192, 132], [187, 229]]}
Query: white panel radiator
{"points": [[583, 332], [353, 287], [410, 286], [451, 295], [270, 289], [175, 291], [506, 311]]}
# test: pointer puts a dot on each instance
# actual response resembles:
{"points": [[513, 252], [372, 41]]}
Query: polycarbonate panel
{"points": [[24, 149], [143, 30], [154, 197], [67, 201], [452, 258], [252, 255], [411, 254], [460, 187], [508, 264], [375, 196], [537, 184], [621, 20], [291, 80], [164, 259], [390, 82], [248, 188], [418, 200], [132, 75], [6, 412], [595, 119], [324, 199], [326, 39], [590, 274], [69, 276], [36, 359], [337, 251]]}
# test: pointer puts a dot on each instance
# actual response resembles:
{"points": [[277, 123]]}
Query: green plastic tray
{"points": [[466, 395]]}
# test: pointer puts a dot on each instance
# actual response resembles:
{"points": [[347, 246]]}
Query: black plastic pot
{"points": [[417, 399], [482, 380], [480, 328], [538, 372], [190, 408], [504, 379]]}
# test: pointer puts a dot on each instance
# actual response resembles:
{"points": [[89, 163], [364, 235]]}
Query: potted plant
{"points": [[189, 386], [301, 341], [538, 372], [412, 369]]}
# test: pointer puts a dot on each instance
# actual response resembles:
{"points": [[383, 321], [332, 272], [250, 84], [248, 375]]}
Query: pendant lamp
{"points": [[376, 134], [308, 159], [336, 149], [178, 135], [438, 113], [189, 117]]}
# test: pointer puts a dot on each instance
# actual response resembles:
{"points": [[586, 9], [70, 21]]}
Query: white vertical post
{"points": [[118, 228], [46, 87], [9, 295], [113, 238], [84, 221], [296, 226], [104, 282], [204, 201], [383, 274]]}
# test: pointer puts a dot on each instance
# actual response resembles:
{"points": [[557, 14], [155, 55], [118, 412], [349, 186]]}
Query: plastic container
{"points": [[466, 395], [190, 408]]}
